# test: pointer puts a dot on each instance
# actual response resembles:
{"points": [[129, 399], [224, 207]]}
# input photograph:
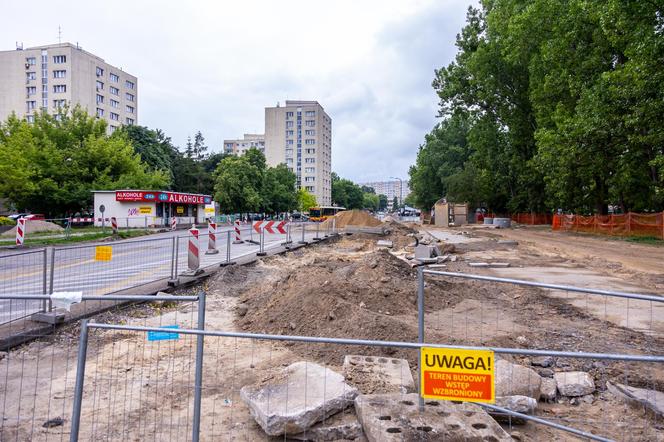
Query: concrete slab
{"points": [[48, 317], [478, 264], [397, 417], [499, 265], [384, 243], [422, 251], [341, 426], [653, 400], [299, 396], [371, 374]]}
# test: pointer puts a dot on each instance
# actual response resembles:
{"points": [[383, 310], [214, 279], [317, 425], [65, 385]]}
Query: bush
{"points": [[4, 221]]}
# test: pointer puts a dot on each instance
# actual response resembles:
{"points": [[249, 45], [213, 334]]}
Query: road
{"points": [[134, 262]]}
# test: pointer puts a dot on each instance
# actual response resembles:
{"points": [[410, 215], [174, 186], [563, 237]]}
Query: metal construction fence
{"points": [[140, 390], [628, 224], [37, 379]]}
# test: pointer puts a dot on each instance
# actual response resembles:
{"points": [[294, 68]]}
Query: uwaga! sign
{"points": [[458, 375]]}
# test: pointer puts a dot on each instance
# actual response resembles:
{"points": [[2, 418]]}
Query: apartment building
{"points": [[390, 189], [239, 147], [299, 134], [49, 77]]}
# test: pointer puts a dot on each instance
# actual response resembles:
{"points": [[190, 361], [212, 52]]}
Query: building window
{"points": [[289, 114], [100, 99], [31, 61], [310, 188], [129, 97], [114, 78], [310, 160], [289, 161], [289, 142], [289, 152], [114, 103], [289, 124], [100, 112], [31, 90], [100, 85], [289, 133], [310, 142], [130, 121], [310, 123], [310, 113], [130, 110], [310, 151], [310, 132], [32, 105], [309, 179], [129, 85], [112, 128], [59, 103], [59, 74], [59, 59], [30, 118], [31, 75], [309, 170], [114, 90], [60, 88], [115, 117], [100, 72]]}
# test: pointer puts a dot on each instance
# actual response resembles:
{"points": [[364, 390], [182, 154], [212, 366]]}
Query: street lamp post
{"points": [[400, 189]]}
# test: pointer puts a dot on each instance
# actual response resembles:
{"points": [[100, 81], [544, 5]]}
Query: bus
{"points": [[318, 214]]}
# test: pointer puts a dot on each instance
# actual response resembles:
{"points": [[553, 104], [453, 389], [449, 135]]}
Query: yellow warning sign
{"points": [[145, 210], [103, 253], [458, 375]]}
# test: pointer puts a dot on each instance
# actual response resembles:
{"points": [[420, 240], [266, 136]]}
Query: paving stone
{"points": [[384, 243], [397, 417], [499, 265], [548, 389], [373, 374], [341, 426], [299, 396], [515, 379], [574, 383], [478, 264], [653, 400]]}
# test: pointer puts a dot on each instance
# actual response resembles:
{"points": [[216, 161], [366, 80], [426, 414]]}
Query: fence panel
{"points": [[630, 224], [22, 273]]}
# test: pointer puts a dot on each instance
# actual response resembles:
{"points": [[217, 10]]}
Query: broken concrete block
{"points": [[427, 260], [574, 383], [453, 258], [384, 243], [435, 251], [371, 374], [442, 259], [653, 400], [499, 265], [422, 252], [517, 403], [542, 361], [508, 242], [301, 395], [515, 379], [478, 264], [548, 389], [341, 426], [397, 417]]}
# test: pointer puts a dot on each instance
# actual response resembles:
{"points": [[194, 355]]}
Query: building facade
{"points": [[299, 134], [49, 77], [390, 189], [239, 147]]}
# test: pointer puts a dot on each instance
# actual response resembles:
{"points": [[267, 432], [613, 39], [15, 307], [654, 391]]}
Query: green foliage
{"points": [[382, 202], [279, 193], [4, 221], [370, 201], [154, 147], [51, 165], [346, 194], [557, 103], [305, 200], [395, 203]]}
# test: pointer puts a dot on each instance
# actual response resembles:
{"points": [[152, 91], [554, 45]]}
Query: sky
{"points": [[214, 66]]}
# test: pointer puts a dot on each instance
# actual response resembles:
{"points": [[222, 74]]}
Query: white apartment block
{"points": [[239, 147], [299, 134], [390, 189], [51, 76]]}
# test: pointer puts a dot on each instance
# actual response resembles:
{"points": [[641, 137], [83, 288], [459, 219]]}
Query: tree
{"points": [[63, 158], [237, 185], [279, 193], [345, 193], [305, 200], [370, 201], [395, 203], [154, 148], [368, 189], [382, 202]]}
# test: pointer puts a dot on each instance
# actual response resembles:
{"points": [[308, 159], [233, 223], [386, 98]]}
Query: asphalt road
{"points": [[134, 262]]}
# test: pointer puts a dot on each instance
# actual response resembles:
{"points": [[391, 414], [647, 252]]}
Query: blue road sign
{"points": [[163, 336]]}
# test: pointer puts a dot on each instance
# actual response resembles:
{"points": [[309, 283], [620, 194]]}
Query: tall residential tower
{"points": [[299, 134], [49, 77]]}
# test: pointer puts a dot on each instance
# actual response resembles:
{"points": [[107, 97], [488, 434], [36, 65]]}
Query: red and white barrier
{"points": [[238, 235], [20, 231], [114, 224], [82, 220], [212, 239], [193, 258], [270, 226], [174, 223]]}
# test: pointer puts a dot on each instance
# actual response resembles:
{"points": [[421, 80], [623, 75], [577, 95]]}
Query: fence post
{"points": [[228, 249], [52, 278], [198, 377], [80, 377], [304, 227], [261, 243], [420, 330], [662, 218], [629, 223], [317, 238], [146, 223], [45, 280], [334, 226], [174, 263]]}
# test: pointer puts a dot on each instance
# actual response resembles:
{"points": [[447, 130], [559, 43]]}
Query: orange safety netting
{"points": [[532, 218], [629, 224]]}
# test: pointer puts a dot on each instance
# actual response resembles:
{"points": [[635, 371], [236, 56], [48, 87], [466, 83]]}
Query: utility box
{"points": [[448, 214]]}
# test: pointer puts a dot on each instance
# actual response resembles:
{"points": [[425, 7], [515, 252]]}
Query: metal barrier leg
{"points": [[174, 263], [420, 330], [45, 281], [302, 241], [80, 377], [52, 278], [198, 377], [228, 250], [317, 237], [261, 246]]}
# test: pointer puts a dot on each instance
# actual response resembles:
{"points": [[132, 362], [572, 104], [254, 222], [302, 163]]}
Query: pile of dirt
{"points": [[353, 218], [33, 226]]}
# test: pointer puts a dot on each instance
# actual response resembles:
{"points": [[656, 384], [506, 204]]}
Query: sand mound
{"points": [[33, 226], [353, 218]]}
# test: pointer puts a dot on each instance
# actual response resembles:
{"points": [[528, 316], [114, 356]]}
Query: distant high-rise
{"points": [[390, 189], [299, 134], [239, 147], [49, 77]]}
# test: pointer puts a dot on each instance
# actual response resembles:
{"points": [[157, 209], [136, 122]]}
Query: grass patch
{"points": [[92, 236], [651, 240]]}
